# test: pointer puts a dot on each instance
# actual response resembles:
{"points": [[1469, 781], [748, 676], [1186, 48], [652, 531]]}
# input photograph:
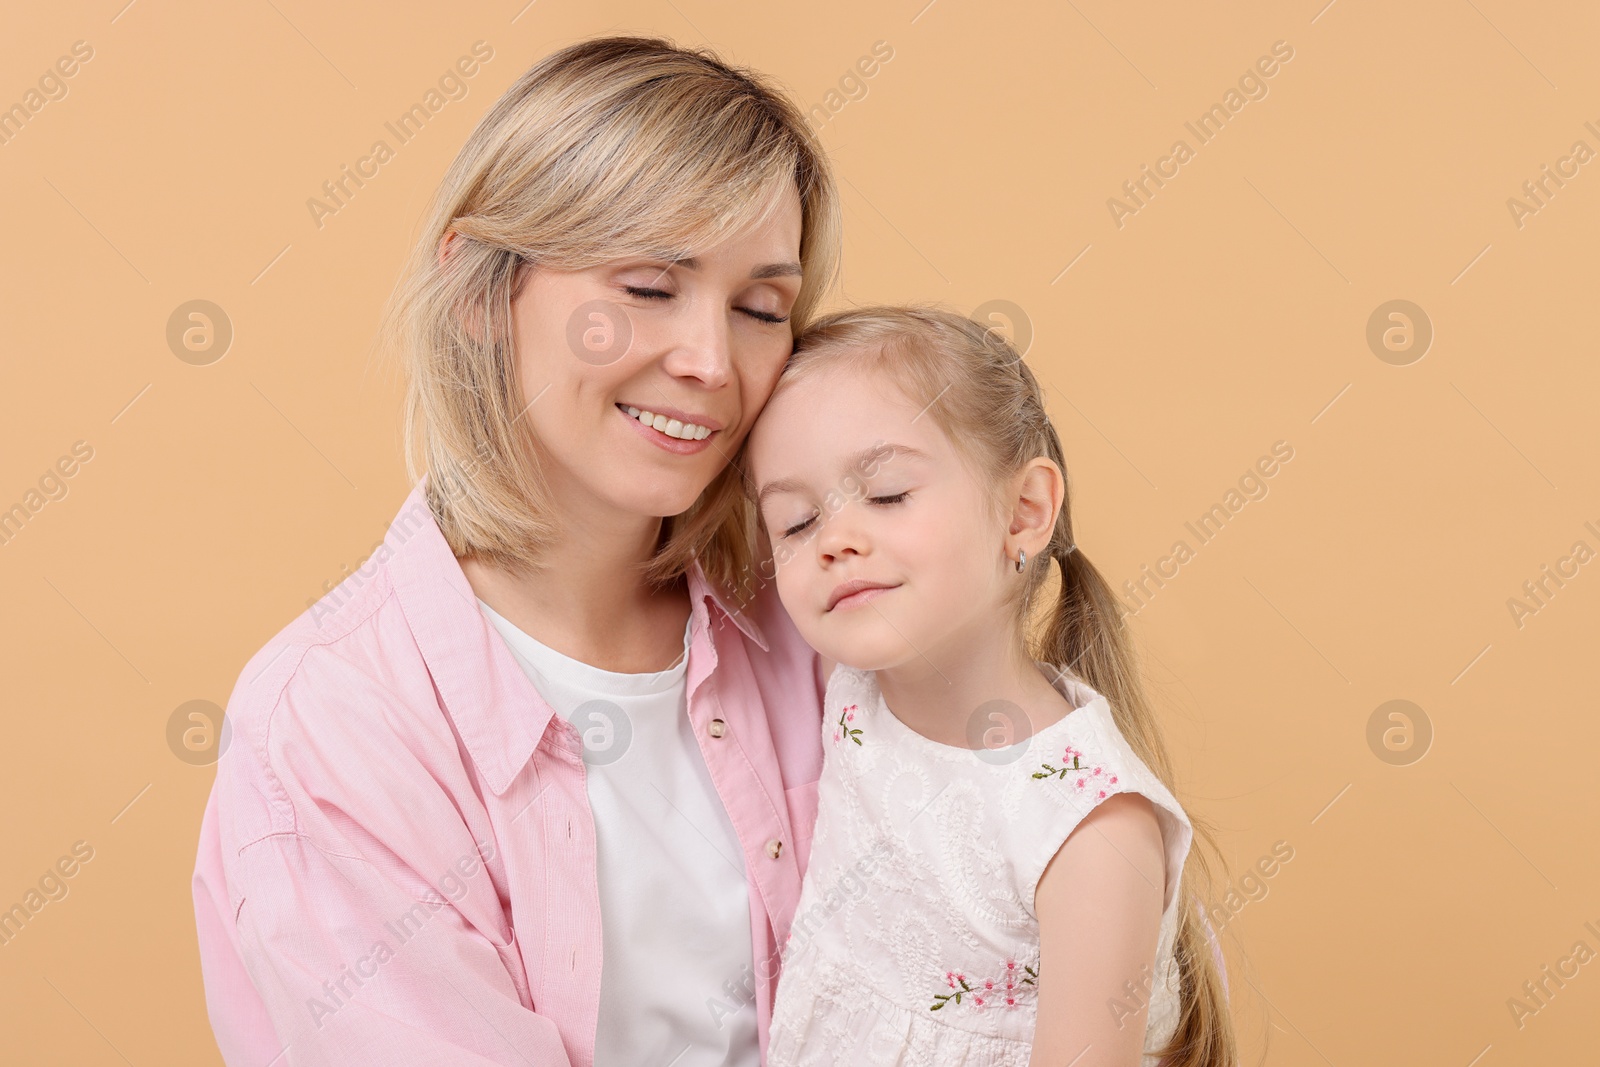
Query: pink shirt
{"points": [[397, 860]]}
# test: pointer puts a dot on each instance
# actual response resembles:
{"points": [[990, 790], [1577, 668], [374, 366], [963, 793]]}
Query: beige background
{"points": [[1227, 314]]}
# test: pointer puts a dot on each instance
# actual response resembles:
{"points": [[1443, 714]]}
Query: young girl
{"points": [[996, 869]]}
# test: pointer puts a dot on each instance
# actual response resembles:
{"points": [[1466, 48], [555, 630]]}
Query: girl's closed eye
{"points": [[881, 501]]}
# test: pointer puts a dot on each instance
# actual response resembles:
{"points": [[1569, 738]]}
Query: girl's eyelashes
{"points": [[881, 501]]}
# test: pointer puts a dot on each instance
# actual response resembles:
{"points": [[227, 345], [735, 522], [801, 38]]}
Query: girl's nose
{"points": [[839, 534]]}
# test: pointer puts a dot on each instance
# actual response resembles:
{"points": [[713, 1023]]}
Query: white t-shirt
{"points": [[674, 899]]}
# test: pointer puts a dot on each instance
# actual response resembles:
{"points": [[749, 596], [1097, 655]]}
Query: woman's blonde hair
{"points": [[987, 402], [612, 147]]}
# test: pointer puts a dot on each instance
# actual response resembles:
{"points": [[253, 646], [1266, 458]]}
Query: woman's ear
{"points": [[469, 313]]}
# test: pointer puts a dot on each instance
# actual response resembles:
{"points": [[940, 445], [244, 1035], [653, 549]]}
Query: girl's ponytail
{"points": [[1085, 633]]}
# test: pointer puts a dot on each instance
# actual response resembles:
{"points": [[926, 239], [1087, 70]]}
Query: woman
{"points": [[536, 785]]}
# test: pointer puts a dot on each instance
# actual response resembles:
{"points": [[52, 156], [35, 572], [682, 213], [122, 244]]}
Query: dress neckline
{"points": [[1069, 686]]}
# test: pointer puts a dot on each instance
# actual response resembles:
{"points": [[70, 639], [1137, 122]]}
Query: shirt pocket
{"points": [[802, 801]]}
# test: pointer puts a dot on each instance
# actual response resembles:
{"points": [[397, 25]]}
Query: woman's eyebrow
{"points": [[766, 270]]}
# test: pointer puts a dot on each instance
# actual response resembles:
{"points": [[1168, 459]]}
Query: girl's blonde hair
{"points": [[612, 147], [983, 396]]}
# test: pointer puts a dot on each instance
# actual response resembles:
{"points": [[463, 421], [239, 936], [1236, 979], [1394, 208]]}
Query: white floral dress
{"points": [[915, 939]]}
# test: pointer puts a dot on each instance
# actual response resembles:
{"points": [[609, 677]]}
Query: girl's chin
{"points": [[871, 653]]}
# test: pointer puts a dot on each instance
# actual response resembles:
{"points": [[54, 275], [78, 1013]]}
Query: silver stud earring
{"points": [[1022, 557]]}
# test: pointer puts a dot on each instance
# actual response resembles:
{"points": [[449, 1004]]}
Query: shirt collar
{"points": [[477, 677], [700, 588]]}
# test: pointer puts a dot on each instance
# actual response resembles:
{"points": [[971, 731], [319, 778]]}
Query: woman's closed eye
{"points": [[647, 293], [881, 501]]}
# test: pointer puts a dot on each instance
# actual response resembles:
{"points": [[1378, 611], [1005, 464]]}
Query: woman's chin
{"points": [[667, 501]]}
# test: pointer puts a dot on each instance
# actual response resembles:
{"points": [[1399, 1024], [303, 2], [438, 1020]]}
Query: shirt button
{"points": [[716, 728], [774, 848]]}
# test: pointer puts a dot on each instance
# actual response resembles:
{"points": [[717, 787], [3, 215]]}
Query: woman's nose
{"points": [[702, 345]]}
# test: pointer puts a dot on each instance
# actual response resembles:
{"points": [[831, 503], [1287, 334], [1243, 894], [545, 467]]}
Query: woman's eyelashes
{"points": [[881, 501], [644, 292]]}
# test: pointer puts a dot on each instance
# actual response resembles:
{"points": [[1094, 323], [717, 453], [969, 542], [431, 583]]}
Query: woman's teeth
{"points": [[684, 431]]}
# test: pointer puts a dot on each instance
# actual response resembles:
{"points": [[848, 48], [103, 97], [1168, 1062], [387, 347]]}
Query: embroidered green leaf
{"points": [[845, 729]]}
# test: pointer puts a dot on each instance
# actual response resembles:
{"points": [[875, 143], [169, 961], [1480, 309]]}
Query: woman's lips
{"points": [[669, 444]]}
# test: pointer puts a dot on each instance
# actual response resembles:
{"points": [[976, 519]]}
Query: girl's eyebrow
{"points": [[870, 455]]}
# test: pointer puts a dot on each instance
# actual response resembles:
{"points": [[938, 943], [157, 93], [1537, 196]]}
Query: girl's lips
{"points": [[662, 441], [859, 598]]}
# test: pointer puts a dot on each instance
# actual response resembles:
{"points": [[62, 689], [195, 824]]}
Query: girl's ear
{"points": [[1040, 490]]}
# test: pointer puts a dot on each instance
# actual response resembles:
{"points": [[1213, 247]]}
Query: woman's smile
{"points": [[665, 437]]}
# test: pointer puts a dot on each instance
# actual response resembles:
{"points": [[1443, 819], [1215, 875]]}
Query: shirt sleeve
{"points": [[345, 909]]}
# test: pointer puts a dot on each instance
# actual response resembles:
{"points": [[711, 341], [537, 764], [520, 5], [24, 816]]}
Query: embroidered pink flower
{"points": [[980, 992], [1073, 765]]}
